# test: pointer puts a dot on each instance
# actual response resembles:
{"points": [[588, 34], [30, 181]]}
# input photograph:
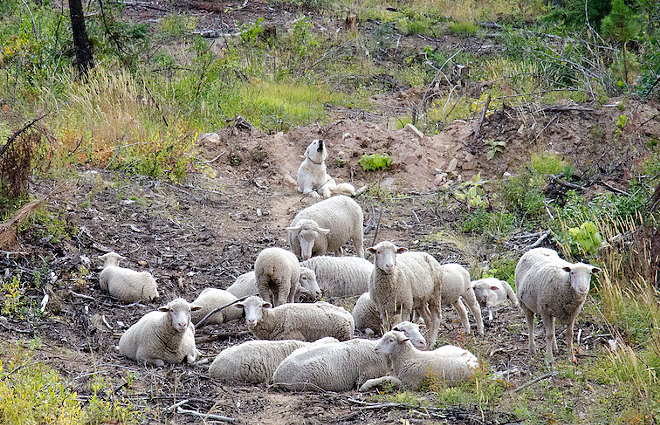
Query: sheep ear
{"points": [[567, 269], [164, 309], [195, 307], [422, 326], [371, 250], [295, 228], [239, 305], [595, 270], [324, 231], [494, 288], [266, 304], [401, 250]]}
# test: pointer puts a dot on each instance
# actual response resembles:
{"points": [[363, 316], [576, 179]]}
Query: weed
{"points": [[472, 192], [463, 28], [12, 293], [375, 162], [523, 194], [494, 147]]}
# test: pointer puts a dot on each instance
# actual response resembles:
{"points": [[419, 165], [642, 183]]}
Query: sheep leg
{"points": [[462, 312], [432, 323], [551, 342], [358, 243], [473, 305], [490, 314], [372, 383], [529, 314], [569, 338]]}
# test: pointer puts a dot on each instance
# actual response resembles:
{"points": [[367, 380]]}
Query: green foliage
{"points": [[472, 192], [12, 294], [620, 24], [375, 161], [550, 163], [465, 29], [586, 237], [494, 146], [523, 195]]}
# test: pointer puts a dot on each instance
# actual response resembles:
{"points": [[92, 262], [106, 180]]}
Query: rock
{"points": [[290, 180], [452, 165], [209, 137], [413, 130]]}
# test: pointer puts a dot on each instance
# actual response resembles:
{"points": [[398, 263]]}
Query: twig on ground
{"points": [[182, 411], [535, 380]]}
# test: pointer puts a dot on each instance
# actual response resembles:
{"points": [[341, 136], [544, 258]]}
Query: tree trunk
{"points": [[84, 59]]}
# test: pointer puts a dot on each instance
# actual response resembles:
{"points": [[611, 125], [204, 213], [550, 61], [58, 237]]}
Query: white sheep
{"points": [[456, 288], [252, 362], [210, 299], [278, 275], [304, 322], [366, 315], [163, 336], [403, 282], [313, 178], [491, 292], [553, 288], [325, 227], [125, 284], [413, 368], [246, 284], [341, 366], [341, 276]]}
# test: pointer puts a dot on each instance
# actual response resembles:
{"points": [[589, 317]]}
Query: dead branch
{"points": [[567, 184], [613, 189], [481, 119], [13, 137], [540, 240], [11, 328], [535, 380], [223, 335], [217, 309], [183, 411]]}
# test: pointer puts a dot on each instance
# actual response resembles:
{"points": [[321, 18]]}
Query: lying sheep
{"points": [[491, 292], [341, 276], [304, 322], [553, 288], [246, 284], [278, 275], [210, 299], [413, 368], [403, 282], [252, 362], [456, 288], [341, 366], [163, 336], [313, 178], [125, 284], [325, 227]]}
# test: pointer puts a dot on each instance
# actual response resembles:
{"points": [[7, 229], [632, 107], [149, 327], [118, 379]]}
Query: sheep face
{"points": [[388, 343], [178, 311], [111, 259], [385, 255], [486, 295], [316, 151], [308, 232], [579, 277], [412, 331], [253, 307], [308, 281]]}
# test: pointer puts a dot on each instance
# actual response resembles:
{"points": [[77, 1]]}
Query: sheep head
{"points": [[111, 259], [580, 277], [308, 282], [412, 331], [385, 255], [388, 343], [308, 232], [178, 311], [254, 309]]}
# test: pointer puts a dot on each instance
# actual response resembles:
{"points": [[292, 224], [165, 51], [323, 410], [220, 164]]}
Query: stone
{"points": [[413, 130], [452, 165]]}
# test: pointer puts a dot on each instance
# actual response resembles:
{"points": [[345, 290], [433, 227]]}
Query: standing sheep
{"points": [[278, 275], [456, 288], [125, 284], [341, 276], [403, 282], [304, 322], [325, 227], [491, 292], [210, 299], [341, 366], [246, 284], [553, 288], [413, 368], [163, 336], [252, 362]]}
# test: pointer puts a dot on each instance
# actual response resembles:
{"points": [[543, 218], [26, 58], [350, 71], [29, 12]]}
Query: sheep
{"points": [[278, 275], [553, 288], [246, 284], [405, 281], [125, 284], [252, 362], [163, 336], [491, 292], [456, 288], [341, 276], [305, 322], [366, 315], [313, 178], [341, 366], [210, 299], [413, 368], [325, 227]]}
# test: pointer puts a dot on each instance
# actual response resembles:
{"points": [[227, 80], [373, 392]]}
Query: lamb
{"points": [[553, 288], [313, 178], [304, 322], [210, 299], [403, 282], [125, 284], [252, 362], [341, 366], [246, 284], [413, 368], [278, 275], [325, 227], [163, 336], [341, 276], [367, 319], [455, 289], [491, 292]]}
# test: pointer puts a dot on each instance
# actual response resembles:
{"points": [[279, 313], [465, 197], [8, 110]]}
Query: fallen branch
{"points": [[540, 240], [567, 184], [217, 309], [183, 411], [223, 335], [11, 328], [535, 380], [614, 189], [481, 118]]}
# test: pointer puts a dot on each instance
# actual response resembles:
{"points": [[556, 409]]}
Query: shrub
{"points": [[374, 162]]}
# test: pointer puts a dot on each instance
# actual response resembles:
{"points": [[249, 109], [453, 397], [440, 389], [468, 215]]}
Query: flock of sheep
{"points": [[312, 345]]}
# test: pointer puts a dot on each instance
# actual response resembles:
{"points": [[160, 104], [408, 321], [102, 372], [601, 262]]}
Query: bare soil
{"points": [[207, 231]]}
